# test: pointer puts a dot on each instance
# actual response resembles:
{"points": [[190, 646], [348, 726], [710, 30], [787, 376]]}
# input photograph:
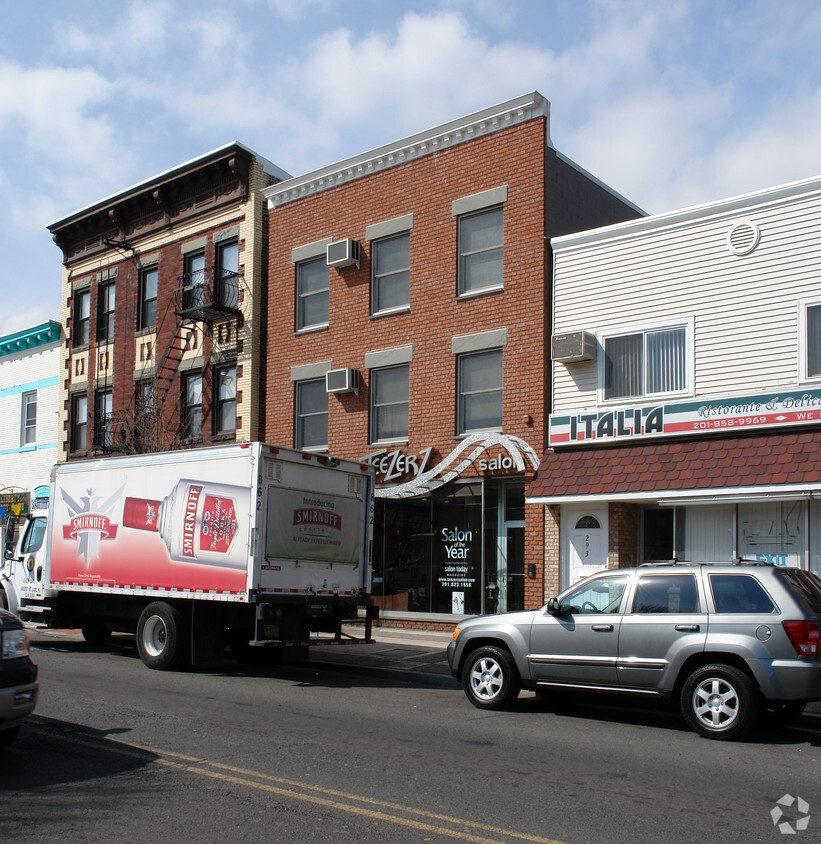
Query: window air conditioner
{"points": [[573, 347], [343, 253], [342, 381]]}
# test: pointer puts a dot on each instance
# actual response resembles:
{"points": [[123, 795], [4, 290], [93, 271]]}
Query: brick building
{"points": [[408, 318], [162, 295], [686, 416]]}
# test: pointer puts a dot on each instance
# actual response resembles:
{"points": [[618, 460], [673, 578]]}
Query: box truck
{"points": [[248, 546]]}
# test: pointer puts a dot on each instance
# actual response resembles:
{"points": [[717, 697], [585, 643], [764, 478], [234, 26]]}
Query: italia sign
{"points": [[686, 418]]}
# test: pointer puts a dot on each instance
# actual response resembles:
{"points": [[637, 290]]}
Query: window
{"points": [[390, 262], [35, 534], [666, 593], [192, 405], [480, 251], [227, 253], [82, 316], [225, 404], [79, 422], [147, 306], [103, 428], [311, 414], [193, 283], [602, 595], [812, 339], [312, 287], [739, 593], [105, 312], [480, 391], [389, 403], [28, 425], [645, 363]]}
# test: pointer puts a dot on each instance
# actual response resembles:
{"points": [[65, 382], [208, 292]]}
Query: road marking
{"points": [[330, 798]]}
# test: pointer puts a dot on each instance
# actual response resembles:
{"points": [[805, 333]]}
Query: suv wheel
{"points": [[490, 678], [720, 702]]}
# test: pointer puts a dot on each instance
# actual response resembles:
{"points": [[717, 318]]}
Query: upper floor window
{"points": [[105, 312], [225, 399], [644, 363], [28, 424], [390, 263], [82, 317], [389, 403], [312, 286], [79, 422], [480, 391], [227, 259], [147, 305], [191, 415], [103, 427], [311, 423], [811, 339], [194, 294], [480, 251]]}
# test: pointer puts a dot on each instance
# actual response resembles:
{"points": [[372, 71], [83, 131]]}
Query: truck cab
{"points": [[21, 575]]}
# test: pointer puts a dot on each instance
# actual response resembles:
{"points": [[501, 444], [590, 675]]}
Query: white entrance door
{"points": [[585, 545]]}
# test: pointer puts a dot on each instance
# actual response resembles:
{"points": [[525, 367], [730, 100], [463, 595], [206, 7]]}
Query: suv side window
{"points": [[737, 593], [666, 593], [805, 586], [602, 595]]}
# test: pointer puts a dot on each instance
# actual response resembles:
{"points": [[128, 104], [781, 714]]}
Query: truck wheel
{"points": [[490, 678], [720, 702], [162, 637]]}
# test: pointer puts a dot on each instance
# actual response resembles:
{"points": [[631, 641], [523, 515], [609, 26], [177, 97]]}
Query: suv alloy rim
{"points": [[716, 703]]}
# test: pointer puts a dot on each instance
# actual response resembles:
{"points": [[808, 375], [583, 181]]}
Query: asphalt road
{"points": [[343, 751]]}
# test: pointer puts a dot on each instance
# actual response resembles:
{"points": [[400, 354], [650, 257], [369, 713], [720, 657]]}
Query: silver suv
{"points": [[727, 641]]}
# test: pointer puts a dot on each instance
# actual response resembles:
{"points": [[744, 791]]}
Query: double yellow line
{"points": [[395, 813]]}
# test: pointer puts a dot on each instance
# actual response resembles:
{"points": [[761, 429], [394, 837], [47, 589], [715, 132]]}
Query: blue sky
{"points": [[670, 102]]}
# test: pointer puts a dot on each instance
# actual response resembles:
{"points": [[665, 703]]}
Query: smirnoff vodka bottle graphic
{"points": [[199, 521]]}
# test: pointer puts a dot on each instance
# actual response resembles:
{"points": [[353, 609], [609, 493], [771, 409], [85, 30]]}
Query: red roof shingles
{"points": [[758, 460]]}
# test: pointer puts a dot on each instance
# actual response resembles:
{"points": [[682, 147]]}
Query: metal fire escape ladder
{"points": [[169, 363]]}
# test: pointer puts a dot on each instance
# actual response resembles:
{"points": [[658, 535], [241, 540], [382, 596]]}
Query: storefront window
{"points": [[772, 532], [458, 551]]}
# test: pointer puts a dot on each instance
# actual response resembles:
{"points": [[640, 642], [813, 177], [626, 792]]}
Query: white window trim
{"points": [[372, 438], [298, 383], [23, 406], [688, 324], [803, 304]]}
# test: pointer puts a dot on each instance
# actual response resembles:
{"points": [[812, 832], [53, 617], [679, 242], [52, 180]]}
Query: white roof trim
{"points": [[479, 123], [695, 214]]}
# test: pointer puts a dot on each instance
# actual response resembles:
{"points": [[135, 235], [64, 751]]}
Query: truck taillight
{"points": [[803, 635]]}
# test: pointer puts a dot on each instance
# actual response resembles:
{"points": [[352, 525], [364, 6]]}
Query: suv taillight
{"points": [[803, 635]]}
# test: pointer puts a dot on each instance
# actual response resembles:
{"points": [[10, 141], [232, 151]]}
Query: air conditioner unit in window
{"points": [[342, 381], [343, 253], [573, 347]]}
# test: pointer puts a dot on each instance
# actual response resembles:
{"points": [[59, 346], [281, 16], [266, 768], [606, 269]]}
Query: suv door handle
{"points": [[606, 628], [688, 628]]}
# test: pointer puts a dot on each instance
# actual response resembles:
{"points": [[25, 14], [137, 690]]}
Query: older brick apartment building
{"points": [[408, 324], [162, 290]]}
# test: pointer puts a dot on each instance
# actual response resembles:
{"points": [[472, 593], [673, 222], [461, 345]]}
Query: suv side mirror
{"points": [[553, 606]]}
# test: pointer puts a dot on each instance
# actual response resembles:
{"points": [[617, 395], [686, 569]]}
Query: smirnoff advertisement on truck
{"points": [[145, 530], [744, 414]]}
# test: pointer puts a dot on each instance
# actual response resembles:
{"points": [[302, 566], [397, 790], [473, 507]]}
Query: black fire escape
{"points": [[202, 297]]}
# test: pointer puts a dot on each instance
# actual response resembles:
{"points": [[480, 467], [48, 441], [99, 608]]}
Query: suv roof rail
{"points": [[673, 562]]}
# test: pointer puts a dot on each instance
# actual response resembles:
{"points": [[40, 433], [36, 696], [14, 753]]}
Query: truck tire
{"points": [[162, 637], [490, 678], [720, 702]]}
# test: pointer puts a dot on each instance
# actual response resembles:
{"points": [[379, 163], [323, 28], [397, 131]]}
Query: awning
{"points": [[758, 467]]}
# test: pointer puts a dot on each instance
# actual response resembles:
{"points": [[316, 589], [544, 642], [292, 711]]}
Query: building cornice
{"points": [[445, 136], [39, 335]]}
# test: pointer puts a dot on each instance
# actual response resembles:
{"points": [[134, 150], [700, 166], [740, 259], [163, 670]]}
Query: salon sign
{"points": [[745, 413]]}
